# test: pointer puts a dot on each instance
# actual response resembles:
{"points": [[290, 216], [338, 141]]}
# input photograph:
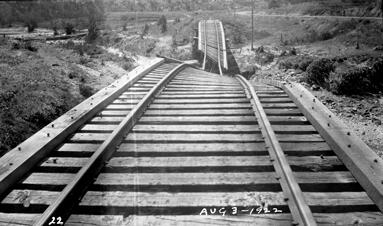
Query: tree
{"points": [[95, 15], [162, 22], [145, 31]]}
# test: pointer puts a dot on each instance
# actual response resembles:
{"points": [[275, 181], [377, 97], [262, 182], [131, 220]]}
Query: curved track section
{"points": [[212, 43]]}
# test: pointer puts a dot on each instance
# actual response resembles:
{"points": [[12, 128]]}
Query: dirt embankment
{"points": [[40, 81]]}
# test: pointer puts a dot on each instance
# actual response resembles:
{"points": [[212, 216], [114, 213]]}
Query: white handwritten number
{"points": [[277, 210], [54, 222], [235, 210]]}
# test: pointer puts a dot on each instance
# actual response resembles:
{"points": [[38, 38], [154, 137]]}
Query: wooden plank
{"points": [[163, 199], [79, 147], [17, 219], [126, 101], [132, 137], [233, 95], [119, 106], [308, 161], [214, 147], [202, 119], [367, 218], [158, 199], [206, 161], [197, 128], [196, 147], [176, 82], [293, 128], [311, 146], [279, 105], [193, 92], [201, 101], [287, 119], [299, 138], [117, 112], [192, 178], [363, 218], [96, 127], [184, 220], [337, 198], [198, 118], [198, 89], [199, 106], [21, 159], [199, 112], [285, 112], [364, 163], [275, 100]]}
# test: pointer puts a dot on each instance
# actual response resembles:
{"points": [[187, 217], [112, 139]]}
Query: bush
{"points": [[85, 90], [377, 75], [354, 81], [124, 26], [145, 31], [162, 22], [31, 25], [92, 30], [318, 72], [296, 62], [274, 4], [69, 28]]}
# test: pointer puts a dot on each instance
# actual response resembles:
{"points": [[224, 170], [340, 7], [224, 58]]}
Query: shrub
{"points": [[85, 90], [162, 22], [318, 72], [127, 66], [145, 31], [28, 46], [304, 64], [83, 60], [377, 75], [354, 81], [296, 62], [124, 26], [31, 25], [69, 28], [92, 30], [273, 4]]}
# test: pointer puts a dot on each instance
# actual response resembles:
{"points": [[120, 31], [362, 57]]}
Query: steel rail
{"points": [[218, 48], [301, 212], [205, 37], [224, 53], [77, 187]]}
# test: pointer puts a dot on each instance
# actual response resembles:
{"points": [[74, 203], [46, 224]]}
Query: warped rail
{"points": [[212, 42], [173, 145]]}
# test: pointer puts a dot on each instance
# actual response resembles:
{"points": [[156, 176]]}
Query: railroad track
{"points": [[212, 43], [175, 145]]}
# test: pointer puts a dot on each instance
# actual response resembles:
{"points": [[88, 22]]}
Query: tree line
{"points": [[34, 12]]}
